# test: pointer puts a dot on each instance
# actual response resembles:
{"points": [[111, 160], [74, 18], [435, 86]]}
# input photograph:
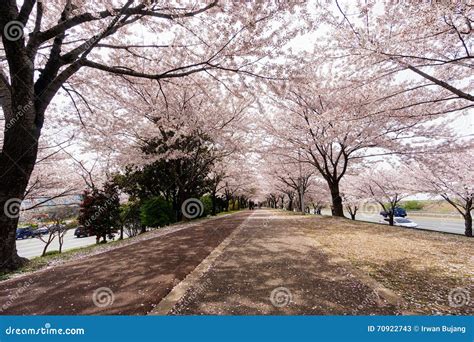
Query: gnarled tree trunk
{"points": [[338, 209], [468, 224], [20, 147]]}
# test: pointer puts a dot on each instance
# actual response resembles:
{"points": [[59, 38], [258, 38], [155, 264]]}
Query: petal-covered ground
{"points": [[271, 262], [289, 264], [127, 280], [273, 267]]}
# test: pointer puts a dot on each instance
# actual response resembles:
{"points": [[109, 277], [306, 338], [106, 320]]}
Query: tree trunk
{"points": [[45, 249], [468, 224], [17, 161], [337, 208], [9, 259], [390, 218], [23, 123], [213, 200], [353, 212]]}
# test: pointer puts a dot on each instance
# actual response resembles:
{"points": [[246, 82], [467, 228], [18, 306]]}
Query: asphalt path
{"points": [[33, 247], [127, 280], [452, 225], [440, 224]]}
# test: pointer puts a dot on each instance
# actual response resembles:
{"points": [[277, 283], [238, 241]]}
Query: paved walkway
{"points": [[273, 266], [136, 276], [269, 265]]}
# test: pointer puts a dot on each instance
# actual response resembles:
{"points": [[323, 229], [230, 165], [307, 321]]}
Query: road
{"points": [[33, 247], [440, 224]]}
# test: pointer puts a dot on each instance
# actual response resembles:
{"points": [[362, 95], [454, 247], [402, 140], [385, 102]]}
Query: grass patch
{"points": [[412, 205], [53, 257], [228, 212]]}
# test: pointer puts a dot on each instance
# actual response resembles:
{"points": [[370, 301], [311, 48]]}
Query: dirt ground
{"points": [[323, 265], [272, 267], [274, 263], [136, 276], [433, 272]]}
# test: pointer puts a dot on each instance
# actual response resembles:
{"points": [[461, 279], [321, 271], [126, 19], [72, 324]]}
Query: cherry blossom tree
{"points": [[53, 178], [293, 178], [386, 187], [451, 178], [330, 129], [238, 186], [354, 199], [351, 204], [78, 40], [318, 195], [421, 53]]}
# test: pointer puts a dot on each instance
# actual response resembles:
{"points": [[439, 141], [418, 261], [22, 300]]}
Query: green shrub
{"points": [[130, 218], [156, 212], [412, 205], [207, 204]]}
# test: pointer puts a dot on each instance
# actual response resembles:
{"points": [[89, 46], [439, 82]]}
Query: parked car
{"points": [[398, 212], [81, 231], [401, 222], [24, 233], [40, 231]]}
